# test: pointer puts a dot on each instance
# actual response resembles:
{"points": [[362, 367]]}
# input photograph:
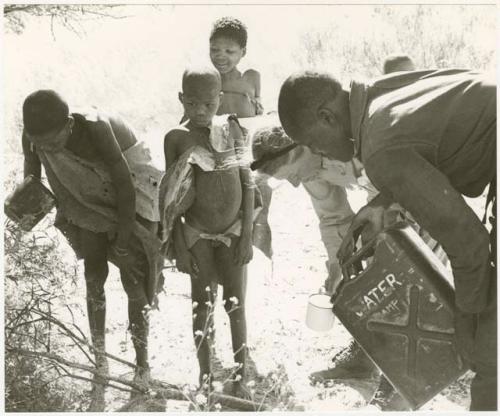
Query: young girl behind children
{"points": [[241, 92], [241, 96]]}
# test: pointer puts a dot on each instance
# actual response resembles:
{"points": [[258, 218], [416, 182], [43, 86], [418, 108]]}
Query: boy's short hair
{"points": [[44, 111], [203, 76], [393, 63], [301, 95], [231, 28]]}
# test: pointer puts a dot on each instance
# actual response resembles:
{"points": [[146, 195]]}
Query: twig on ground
{"points": [[164, 390]]}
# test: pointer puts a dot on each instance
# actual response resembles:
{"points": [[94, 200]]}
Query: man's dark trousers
{"points": [[484, 384]]}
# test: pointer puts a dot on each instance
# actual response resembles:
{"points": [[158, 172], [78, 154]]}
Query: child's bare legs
{"points": [[134, 284], [94, 250], [234, 282], [134, 277], [203, 253]]}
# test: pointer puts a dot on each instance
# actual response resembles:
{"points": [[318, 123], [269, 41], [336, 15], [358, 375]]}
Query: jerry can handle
{"points": [[352, 267]]}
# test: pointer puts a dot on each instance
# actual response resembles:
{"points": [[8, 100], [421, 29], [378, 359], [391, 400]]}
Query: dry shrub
{"points": [[39, 279]]}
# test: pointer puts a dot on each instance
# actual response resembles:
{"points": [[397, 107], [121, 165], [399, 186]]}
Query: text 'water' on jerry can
{"points": [[399, 306]]}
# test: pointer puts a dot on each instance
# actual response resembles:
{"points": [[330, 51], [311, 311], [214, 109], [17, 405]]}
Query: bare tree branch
{"points": [[65, 15], [82, 340], [164, 390]]}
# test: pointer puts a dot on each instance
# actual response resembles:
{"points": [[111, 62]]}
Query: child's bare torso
{"points": [[218, 193], [239, 97]]}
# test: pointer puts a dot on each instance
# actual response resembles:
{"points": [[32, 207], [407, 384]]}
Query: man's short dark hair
{"points": [[393, 63], [231, 28], [301, 95], [44, 111]]}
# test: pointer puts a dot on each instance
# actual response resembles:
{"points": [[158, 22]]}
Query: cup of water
{"points": [[319, 316]]}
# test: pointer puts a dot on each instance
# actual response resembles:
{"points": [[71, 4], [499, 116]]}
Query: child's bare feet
{"points": [[97, 402], [142, 377], [205, 382], [240, 390]]}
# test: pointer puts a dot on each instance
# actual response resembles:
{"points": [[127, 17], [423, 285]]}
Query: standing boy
{"points": [[213, 240]]}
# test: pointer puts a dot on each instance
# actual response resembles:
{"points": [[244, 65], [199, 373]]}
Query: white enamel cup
{"points": [[319, 315]]}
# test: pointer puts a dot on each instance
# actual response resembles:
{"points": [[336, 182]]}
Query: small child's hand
{"points": [[124, 259], [186, 263], [236, 137], [259, 108], [244, 250]]}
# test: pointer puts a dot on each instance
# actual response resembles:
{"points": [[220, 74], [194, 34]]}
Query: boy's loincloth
{"points": [[86, 198], [192, 235], [177, 191]]}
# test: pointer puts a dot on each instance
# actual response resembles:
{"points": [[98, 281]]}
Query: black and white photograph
{"points": [[250, 207]]}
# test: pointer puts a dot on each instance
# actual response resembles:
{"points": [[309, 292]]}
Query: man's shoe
{"points": [[386, 398], [349, 363]]}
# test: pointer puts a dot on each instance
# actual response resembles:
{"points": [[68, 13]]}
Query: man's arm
{"points": [[32, 164], [409, 179], [109, 149]]}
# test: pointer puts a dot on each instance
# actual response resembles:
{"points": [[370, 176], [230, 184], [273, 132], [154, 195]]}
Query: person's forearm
{"points": [[437, 207], [178, 237], [126, 209], [381, 200], [125, 199], [248, 201], [31, 168]]}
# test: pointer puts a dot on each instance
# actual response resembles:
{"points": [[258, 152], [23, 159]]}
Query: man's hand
{"points": [[369, 221], [244, 251], [186, 263]]}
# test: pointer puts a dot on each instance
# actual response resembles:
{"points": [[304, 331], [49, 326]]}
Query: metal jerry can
{"points": [[396, 301]]}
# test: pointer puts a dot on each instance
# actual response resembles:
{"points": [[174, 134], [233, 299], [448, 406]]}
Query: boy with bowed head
{"points": [[213, 239], [105, 210]]}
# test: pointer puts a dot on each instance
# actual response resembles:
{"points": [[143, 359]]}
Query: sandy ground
{"points": [[283, 351]]}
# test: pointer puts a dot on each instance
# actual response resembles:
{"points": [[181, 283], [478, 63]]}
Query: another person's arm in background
{"points": [[245, 251], [254, 77], [335, 214], [32, 164]]}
